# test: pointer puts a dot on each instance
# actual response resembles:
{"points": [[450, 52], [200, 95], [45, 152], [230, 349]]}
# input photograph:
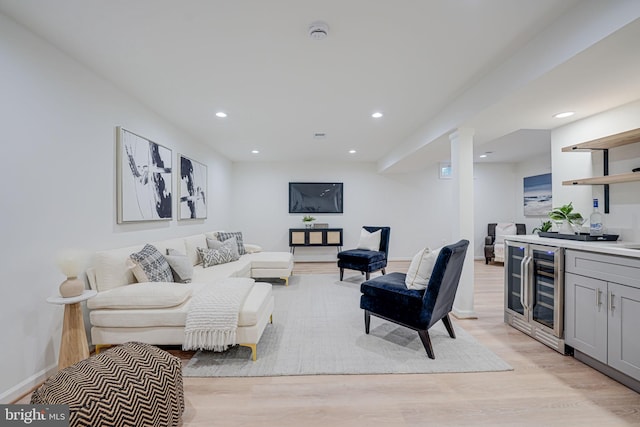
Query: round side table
{"points": [[73, 346]]}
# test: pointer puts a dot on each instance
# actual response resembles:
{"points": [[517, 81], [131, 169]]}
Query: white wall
{"points": [[58, 135], [624, 217], [534, 166], [414, 205]]}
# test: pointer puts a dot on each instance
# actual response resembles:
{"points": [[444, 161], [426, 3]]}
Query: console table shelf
{"points": [[315, 237]]}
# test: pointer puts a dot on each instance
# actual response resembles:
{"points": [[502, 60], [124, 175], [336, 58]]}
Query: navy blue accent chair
{"points": [[388, 298], [366, 261]]}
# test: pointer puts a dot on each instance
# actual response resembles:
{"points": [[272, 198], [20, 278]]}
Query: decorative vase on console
{"points": [[70, 263], [308, 221]]}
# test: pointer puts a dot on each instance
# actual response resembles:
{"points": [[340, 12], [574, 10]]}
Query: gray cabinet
{"points": [[602, 313], [586, 315]]}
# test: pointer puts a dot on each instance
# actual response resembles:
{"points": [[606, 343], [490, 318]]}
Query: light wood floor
{"points": [[544, 389]]}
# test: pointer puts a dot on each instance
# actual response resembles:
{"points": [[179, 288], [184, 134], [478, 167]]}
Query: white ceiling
{"points": [[410, 59]]}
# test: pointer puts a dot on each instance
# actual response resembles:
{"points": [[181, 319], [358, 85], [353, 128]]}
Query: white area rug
{"points": [[318, 328]]}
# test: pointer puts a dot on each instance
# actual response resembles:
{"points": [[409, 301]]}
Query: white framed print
{"points": [[192, 196], [144, 179]]}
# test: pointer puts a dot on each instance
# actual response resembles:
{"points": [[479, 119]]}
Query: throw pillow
{"points": [[211, 257], [231, 243], [505, 229], [369, 241], [149, 265], [421, 268], [180, 265], [224, 235]]}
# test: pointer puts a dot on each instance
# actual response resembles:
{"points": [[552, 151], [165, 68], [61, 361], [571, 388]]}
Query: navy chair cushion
{"points": [[389, 297], [361, 256]]}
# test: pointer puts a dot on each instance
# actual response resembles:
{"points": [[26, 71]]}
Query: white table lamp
{"points": [[70, 264]]}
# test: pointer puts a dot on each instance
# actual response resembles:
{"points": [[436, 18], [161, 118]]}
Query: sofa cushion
{"points": [[142, 295], [224, 235], [231, 244], [111, 268], [192, 243], [150, 265], [211, 257], [270, 259], [181, 266]]}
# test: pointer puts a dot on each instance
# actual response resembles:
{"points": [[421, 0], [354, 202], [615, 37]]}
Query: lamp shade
{"points": [[70, 262]]}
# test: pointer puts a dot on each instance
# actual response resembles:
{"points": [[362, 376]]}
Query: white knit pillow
{"points": [[370, 241], [421, 268]]}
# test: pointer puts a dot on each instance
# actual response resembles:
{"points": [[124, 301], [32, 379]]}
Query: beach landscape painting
{"points": [[537, 195]]}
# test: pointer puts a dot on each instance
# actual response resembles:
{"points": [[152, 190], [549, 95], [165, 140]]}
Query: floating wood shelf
{"points": [[609, 179], [611, 141], [604, 144]]}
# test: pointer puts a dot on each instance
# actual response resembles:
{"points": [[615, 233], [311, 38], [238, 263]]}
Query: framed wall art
{"points": [[144, 179], [193, 189], [537, 195]]}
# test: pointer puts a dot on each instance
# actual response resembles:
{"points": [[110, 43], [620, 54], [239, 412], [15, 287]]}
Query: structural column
{"points": [[463, 222]]}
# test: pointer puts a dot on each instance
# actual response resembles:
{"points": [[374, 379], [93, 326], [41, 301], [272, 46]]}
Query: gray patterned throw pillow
{"points": [[150, 265], [211, 257], [223, 235]]}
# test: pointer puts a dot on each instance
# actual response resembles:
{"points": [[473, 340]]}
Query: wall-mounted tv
{"points": [[315, 197]]}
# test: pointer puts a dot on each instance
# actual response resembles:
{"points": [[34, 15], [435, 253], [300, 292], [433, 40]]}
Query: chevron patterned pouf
{"points": [[133, 385]]}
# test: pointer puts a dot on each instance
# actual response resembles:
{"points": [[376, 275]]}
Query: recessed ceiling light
{"points": [[482, 156], [255, 151], [221, 114], [563, 115], [376, 115], [352, 151]]}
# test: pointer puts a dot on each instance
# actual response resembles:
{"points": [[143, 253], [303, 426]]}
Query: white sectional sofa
{"points": [[155, 313]]}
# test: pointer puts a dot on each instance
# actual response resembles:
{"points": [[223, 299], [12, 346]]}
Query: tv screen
{"points": [[315, 197]]}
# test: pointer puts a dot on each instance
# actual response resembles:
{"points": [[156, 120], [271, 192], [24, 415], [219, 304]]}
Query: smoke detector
{"points": [[318, 30]]}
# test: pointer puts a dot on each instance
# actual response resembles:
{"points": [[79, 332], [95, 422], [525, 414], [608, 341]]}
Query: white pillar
{"points": [[462, 227]]}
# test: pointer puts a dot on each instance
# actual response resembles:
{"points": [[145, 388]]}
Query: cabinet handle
{"points": [[598, 298], [611, 304], [522, 279]]}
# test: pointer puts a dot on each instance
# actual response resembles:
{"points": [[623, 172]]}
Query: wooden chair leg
{"points": [[367, 275], [447, 324], [367, 321], [426, 342], [341, 273], [384, 271]]}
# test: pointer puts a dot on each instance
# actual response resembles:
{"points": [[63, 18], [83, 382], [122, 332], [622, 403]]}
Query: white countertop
{"points": [[612, 248]]}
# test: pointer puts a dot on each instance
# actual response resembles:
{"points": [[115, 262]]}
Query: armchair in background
{"points": [[371, 253], [494, 241]]}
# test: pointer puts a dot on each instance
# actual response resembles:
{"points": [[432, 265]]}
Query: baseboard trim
{"points": [[25, 387], [467, 314]]}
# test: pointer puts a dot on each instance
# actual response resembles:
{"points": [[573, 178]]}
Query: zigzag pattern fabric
{"points": [[134, 385]]}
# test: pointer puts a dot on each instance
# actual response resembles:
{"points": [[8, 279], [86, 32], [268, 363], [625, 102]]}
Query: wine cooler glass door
{"points": [[515, 272], [546, 282]]}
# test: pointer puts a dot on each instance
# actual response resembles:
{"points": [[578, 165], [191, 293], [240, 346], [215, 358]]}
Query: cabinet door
{"points": [[624, 337], [586, 315]]}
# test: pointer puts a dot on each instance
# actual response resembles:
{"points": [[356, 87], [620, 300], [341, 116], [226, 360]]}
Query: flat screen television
{"points": [[315, 197]]}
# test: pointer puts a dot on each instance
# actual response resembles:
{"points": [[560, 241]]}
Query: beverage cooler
{"points": [[534, 291]]}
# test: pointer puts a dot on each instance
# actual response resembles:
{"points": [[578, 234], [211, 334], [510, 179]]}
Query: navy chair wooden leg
{"points": [[367, 321], [447, 324], [426, 342]]}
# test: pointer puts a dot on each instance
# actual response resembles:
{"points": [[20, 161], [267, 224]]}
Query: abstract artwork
{"points": [[193, 189], [537, 195], [144, 179]]}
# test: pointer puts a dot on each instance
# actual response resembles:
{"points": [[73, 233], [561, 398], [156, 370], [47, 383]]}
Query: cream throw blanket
{"points": [[212, 319]]}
